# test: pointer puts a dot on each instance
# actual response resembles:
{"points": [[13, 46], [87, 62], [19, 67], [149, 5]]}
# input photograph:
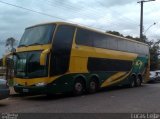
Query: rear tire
{"points": [[138, 82], [93, 86], [132, 82], [79, 87]]}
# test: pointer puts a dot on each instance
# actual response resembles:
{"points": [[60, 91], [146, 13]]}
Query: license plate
{"points": [[25, 90]]}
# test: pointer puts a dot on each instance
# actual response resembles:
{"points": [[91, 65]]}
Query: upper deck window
{"points": [[37, 35], [99, 40]]}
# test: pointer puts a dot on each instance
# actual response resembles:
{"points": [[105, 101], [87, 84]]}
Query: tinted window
{"points": [[131, 46], [121, 45], [63, 39], [27, 65], [37, 35], [113, 43], [34, 67], [62, 44], [100, 64], [99, 40], [142, 49], [146, 50], [138, 48], [83, 37], [90, 38]]}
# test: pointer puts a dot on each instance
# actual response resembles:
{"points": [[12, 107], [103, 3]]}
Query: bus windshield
{"points": [[37, 35], [27, 65]]}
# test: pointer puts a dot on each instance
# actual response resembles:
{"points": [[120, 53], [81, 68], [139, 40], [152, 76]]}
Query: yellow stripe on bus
{"points": [[30, 82], [33, 48], [114, 79]]}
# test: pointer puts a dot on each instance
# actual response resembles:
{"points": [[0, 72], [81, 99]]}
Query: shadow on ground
{"points": [[153, 82], [68, 95], [3, 105]]}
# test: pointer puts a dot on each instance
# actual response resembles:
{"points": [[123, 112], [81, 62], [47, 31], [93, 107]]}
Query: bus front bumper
{"points": [[36, 90], [31, 89]]}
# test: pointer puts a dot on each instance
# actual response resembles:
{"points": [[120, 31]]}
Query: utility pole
{"points": [[141, 18]]}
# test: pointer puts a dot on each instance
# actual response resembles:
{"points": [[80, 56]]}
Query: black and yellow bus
{"points": [[61, 57]]}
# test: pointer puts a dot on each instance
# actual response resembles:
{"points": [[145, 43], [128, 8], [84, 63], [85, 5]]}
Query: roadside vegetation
{"points": [[153, 46]]}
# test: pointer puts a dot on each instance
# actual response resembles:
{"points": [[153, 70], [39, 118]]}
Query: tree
{"points": [[154, 54], [10, 42], [130, 37], [115, 33], [153, 48]]}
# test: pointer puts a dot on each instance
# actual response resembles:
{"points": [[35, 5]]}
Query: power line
{"points": [[119, 13], [49, 15], [93, 10], [78, 13], [38, 12], [111, 25], [149, 27]]}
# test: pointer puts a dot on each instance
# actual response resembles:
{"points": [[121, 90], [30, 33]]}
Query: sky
{"points": [[116, 15]]}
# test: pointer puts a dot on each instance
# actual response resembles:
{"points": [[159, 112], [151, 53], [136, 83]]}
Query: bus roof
{"points": [[88, 28]]}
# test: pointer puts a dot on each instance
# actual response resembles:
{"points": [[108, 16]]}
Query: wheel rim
{"points": [[92, 85], [133, 84], [138, 82], [78, 87]]}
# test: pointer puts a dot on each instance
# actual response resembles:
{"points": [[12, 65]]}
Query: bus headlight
{"points": [[40, 84]]}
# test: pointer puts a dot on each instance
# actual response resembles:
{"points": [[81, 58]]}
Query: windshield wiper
{"points": [[30, 45], [35, 44], [22, 46]]}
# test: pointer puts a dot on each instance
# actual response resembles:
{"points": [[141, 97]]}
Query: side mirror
{"points": [[13, 50], [43, 57]]}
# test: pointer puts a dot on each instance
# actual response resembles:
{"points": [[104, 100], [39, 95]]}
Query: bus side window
{"points": [[99, 40], [121, 45], [83, 37], [113, 43]]}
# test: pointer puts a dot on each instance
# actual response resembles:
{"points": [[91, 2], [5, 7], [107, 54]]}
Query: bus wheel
{"points": [[132, 82], [93, 86], [78, 87], [138, 82]]}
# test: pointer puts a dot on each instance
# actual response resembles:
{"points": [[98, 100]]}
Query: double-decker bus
{"points": [[61, 57]]}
